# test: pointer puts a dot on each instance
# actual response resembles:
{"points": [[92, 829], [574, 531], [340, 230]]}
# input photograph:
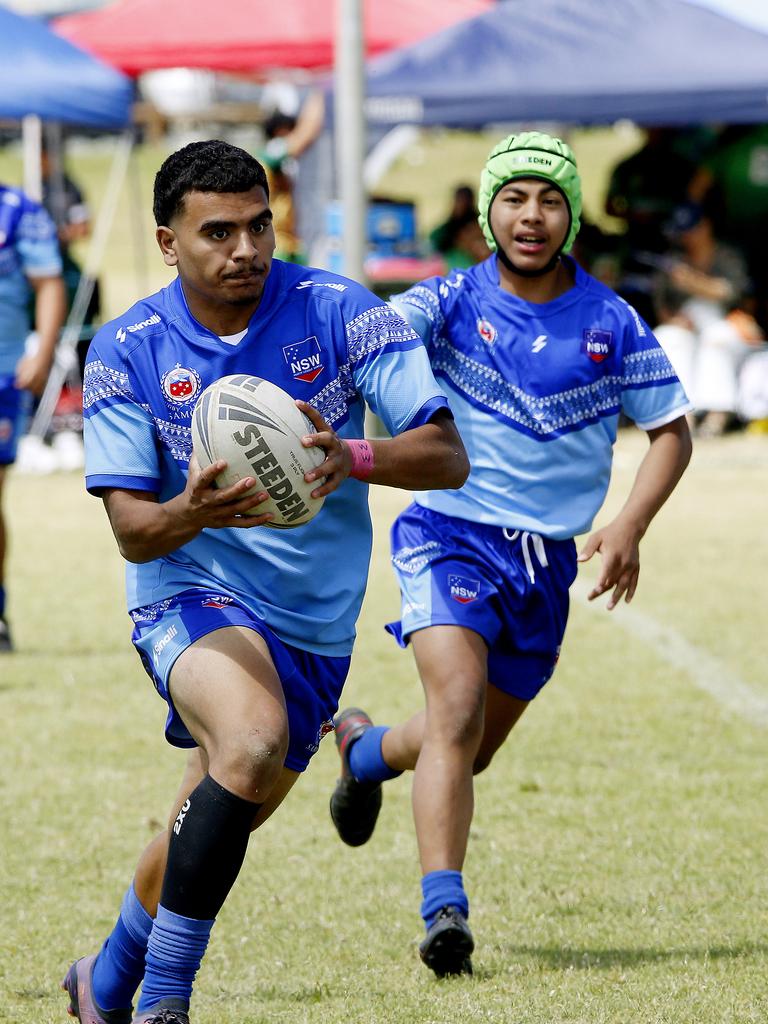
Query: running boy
{"points": [[538, 359], [245, 632]]}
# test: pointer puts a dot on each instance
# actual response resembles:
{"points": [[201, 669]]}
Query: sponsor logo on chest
{"points": [[122, 332], [305, 359], [597, 344], [321, 284]]}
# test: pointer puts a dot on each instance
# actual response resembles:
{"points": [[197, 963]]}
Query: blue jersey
{"points": [[29, 248], [323, 339], [536, 391]]}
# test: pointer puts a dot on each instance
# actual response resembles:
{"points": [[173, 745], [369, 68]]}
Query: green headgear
{"points": [[530, 155]]}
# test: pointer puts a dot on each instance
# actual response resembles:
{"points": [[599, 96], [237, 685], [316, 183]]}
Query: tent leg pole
{"points": [[349, 129]]}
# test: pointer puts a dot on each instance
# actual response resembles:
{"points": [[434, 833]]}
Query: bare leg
{"points": [[401, 745], [452, 665], [245, 732], [502, 712]]}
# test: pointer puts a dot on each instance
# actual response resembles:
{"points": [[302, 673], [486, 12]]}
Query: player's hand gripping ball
{"points": [[255, 427]]}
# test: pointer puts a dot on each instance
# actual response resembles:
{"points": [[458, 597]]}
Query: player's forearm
{"points": [[50, 312], [147, 529], [659, 472], [427, 457]]}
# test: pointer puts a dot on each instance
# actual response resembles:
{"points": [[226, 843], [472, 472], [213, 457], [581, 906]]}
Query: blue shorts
{"points": [[14, 410], [511, 587], [312, 683]]}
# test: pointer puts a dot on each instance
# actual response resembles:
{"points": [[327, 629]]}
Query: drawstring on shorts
{"points": [[527, 541]]}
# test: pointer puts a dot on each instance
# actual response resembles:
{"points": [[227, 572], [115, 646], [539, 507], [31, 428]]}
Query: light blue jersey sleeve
{"points": [[651, 394], [117, 430], [420, 307], [391, 368]]}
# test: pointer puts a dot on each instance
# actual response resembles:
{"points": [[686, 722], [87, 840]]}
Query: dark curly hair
{"points": [[211, 166]]}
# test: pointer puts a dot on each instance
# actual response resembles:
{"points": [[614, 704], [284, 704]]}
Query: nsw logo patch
{"points": [[487, 331], [305, 359], [597, 344], [463, 590]]}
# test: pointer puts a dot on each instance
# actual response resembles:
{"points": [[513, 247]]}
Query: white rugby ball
{"points": [[256, 428]]}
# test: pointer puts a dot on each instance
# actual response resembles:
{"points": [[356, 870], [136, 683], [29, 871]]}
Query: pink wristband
{"points": [[362, 459]]}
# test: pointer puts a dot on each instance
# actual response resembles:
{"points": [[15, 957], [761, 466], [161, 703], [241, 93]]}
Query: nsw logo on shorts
{"points": [[463, 590], [305, 359], [216, 601]]}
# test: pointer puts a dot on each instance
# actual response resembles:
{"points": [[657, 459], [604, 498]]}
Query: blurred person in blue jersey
{"points": [[245, 631], [538, 360], [30, 274]]}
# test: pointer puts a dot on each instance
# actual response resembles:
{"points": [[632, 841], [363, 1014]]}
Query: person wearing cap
{"points": [[539, 360]]}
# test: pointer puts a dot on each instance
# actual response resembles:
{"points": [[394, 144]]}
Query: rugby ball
{"points": [[256, 428]]}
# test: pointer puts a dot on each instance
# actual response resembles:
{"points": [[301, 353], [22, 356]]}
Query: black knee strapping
{"points": [[206, 850]]}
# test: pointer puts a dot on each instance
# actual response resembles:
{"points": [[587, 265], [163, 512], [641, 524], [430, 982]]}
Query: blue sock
{"points": [[119, 966], [365, 758], [442, 889], [176, 947], [2, 600]]}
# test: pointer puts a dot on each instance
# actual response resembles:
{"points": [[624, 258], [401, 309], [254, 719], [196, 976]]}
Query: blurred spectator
{"points": [[703, 293], [459, 239], [753, 393], [643, 191], [298, 157], [281, 171], [65, 203], [30, 264], [733, 178], [597, 252]]}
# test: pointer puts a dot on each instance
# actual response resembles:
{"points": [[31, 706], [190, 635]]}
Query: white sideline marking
{"points": [[707, 672]]}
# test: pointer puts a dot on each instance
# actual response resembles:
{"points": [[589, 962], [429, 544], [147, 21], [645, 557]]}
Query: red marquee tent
{"points": [[243, 36]]}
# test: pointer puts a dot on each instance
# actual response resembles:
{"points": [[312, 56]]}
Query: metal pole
{"points": [[349, 129], [31, 147]]}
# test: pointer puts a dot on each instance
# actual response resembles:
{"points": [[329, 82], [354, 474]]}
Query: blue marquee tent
{"points": [[657, 62], [43, 74]]}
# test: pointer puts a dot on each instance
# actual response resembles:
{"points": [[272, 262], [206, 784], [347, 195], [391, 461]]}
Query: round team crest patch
{"points": [[180, 385], [487, 331]]}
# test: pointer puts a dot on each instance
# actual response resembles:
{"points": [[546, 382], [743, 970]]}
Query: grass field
{"points": [[617, 866]]}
